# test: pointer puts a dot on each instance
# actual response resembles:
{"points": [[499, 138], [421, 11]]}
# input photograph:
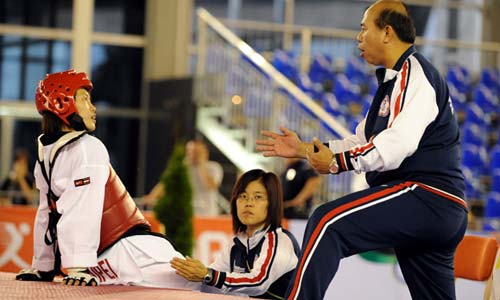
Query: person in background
{"points": [[409, 146], [205, 177], [86, 221], [18, 187], [300, 182], [260, 260]]}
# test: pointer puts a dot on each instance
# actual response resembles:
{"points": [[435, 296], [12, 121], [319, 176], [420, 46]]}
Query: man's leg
{"points": [[396, 215], [352, 224]]}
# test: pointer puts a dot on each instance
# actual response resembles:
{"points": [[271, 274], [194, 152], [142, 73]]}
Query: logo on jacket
{"points": [[82, 181], [384, 107]]}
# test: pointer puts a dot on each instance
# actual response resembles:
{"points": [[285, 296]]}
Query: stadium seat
{"points": [[475, 259], [490, 78], [473, 134], [355, 70], [459, 77], [321, 69], [486, 98], [283, 62]]}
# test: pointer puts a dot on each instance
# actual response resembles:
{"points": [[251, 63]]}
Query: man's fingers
{"points": [[317, 142], [269, 134], [264, 142], [285, 130]]}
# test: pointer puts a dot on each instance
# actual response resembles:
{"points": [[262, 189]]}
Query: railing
{"points": [[307, 41], [245, 94]]}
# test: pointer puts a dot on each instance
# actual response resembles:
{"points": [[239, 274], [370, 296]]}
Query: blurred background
{"points": [[166, 71], [220, 71]]}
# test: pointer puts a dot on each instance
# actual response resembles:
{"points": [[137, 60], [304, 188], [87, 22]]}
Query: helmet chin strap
{"points": [[77, 123]]}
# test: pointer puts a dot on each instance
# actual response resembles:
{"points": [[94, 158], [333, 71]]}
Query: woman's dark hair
{"points": [[402, 24], [274, 195], [51, 123]]}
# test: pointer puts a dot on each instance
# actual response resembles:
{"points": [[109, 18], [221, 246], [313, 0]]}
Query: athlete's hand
{"points": [[79, 276], [35, 275]]}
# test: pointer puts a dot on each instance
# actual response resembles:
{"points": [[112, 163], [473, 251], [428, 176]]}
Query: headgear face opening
{"points": [[56, 93]]}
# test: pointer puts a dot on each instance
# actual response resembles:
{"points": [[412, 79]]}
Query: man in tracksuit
{"points": [[408, 145]]}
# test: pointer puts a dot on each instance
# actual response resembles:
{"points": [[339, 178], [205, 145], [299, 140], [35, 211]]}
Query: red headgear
{"points": [[56, 93]]}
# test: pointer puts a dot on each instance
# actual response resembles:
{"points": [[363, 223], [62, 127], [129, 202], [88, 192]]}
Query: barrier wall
{"points": [[378, 275], [16, 236]]}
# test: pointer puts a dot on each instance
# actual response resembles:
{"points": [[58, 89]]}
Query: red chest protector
{"points": [[119, 213]]}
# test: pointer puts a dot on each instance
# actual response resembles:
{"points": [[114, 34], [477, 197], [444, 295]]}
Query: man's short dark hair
{"points": [[401, 23]]}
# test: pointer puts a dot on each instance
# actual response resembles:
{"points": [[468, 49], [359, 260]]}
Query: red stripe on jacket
{"points": [[264, 268]]}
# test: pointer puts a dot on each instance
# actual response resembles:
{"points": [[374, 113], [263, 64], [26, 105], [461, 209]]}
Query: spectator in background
{"points": [[260, 260], [299, 181], [205, 176], [18, 188]]}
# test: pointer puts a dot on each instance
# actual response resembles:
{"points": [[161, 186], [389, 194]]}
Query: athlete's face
{"points": [[252, 206], [86, 109], [371, 38]]}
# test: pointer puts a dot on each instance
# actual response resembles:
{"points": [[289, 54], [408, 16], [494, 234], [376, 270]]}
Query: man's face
{"points": [[370, 38]]}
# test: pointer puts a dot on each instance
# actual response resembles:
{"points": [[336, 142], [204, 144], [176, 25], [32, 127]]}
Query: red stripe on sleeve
{"points": [[397, 107]]}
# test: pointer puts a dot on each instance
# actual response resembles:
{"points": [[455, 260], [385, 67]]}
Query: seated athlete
{"points": [[86, 220]]}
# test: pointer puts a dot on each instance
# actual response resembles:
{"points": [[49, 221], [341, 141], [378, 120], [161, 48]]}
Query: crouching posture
{"points": [[86, 221], [262, 257]]}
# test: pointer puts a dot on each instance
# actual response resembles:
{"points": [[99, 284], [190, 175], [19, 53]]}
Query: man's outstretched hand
{"points": [[286, 144]]}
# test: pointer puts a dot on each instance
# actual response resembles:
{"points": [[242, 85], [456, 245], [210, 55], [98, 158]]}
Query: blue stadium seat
{"points": [[472, 133], [283, 62], [459, 99], [475, 114], [460, 78], [355, 70], [492, 212], [321, 69], [491, 78], [486, 98]]}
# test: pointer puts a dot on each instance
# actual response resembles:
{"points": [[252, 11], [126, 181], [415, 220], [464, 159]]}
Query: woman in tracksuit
{"points": [[262, 256]]}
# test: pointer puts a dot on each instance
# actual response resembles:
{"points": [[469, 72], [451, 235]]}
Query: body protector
{"points": [[56, 94], [119, 212]]}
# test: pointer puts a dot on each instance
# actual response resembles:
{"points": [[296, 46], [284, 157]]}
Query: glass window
{"points": [[47, 13], [25, 61], [120, 137], [119, 16], [116, 74]]}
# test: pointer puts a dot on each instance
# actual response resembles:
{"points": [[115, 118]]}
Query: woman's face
{"points": [[252, 205], [86, 109]]}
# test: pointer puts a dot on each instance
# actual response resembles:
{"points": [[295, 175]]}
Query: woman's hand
{"points": [[189, 268]]}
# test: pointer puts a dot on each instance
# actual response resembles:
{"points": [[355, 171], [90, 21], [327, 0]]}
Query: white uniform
{"points": [[79, 175]]}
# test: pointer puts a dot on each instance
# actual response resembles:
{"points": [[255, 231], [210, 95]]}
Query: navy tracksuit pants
{"points": [[424, 226]]}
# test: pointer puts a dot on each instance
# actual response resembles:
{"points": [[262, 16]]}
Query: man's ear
{"points": [[389, 34]]}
